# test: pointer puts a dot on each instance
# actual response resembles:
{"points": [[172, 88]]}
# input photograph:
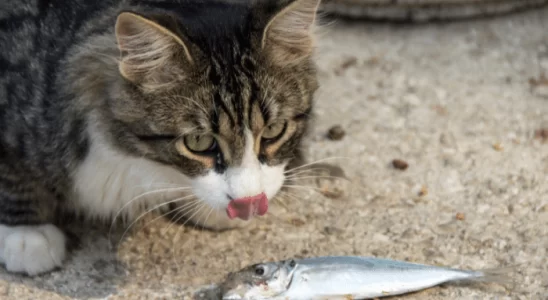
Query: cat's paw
{"points": [[32, 250]]}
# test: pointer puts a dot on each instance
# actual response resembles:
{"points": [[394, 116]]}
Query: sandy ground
{"points": [[459, 102]]}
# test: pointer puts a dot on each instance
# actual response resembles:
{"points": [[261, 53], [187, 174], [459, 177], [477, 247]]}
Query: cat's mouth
{"points": [[247, 207]]}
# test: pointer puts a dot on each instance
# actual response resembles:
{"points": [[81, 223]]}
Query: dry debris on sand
{"points": [[400, 164], [336, 133], [438, 95]]}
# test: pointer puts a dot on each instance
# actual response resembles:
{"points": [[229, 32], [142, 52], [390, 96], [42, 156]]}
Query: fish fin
{"points": [[502, 275]]}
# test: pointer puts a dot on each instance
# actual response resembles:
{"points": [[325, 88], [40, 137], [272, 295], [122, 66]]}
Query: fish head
{"points": [[258, 281]]}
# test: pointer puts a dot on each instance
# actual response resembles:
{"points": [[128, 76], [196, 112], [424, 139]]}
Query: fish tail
{"points": [[503, 275]]}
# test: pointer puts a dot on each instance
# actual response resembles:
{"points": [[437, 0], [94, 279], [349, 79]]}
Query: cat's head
{"points": [[220, 92]]}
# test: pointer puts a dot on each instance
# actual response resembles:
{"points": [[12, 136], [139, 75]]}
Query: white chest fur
{"points": [[109, 182]]}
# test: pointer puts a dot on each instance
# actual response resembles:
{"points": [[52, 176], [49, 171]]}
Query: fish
{"points": [[344, 277]]}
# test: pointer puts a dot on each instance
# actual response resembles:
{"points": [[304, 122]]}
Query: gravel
{"points": [[440, 96]]}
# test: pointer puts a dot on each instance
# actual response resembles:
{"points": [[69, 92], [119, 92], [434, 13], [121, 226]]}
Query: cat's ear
{"points": [[288, 37], [151, 55]]}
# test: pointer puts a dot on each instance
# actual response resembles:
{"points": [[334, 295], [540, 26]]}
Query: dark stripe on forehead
{"points": [[215, 122], [234, 88], [221, 76], [214, 76], [232, 72], [251, 102], [248, 70], [265, 111], [230, 95], [243, 99], [218, 101]]}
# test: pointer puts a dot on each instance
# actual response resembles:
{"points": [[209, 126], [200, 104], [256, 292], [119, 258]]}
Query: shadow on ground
{"points": [[92, 269]]}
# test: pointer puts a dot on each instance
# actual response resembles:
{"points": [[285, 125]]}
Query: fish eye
{"points": [[259, 271], [292, 263]]}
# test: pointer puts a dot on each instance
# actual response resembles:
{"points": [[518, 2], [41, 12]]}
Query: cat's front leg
{"points": [[29, 243]]}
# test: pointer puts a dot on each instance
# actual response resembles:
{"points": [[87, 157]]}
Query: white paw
{"points": [[31, 249]]}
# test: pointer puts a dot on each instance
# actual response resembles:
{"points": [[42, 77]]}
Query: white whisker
{"points": [[182, 210], [195, 213], [289, 195], [317, 177], [179, 228], [208, 214], [157, 184], [189, 205], [283, 195], [183, 215], [315, 162], [175, 189], [311, 170], [148, 211], [302, 187]]}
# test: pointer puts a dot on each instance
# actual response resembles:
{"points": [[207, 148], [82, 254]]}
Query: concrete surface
{"points": [[459, 102]]}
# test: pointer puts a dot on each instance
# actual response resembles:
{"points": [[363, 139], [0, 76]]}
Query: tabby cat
{"points": [[102, 101]]}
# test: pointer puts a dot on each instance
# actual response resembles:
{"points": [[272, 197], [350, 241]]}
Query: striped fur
{"points": [[98, 98]]}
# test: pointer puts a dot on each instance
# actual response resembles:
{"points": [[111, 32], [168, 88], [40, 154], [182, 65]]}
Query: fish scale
{"points": [[344, 277]]}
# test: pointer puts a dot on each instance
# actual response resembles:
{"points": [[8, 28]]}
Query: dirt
{"points": [[336, 133], [347, 63], [542, 134], [438, 95], [400, 164]]}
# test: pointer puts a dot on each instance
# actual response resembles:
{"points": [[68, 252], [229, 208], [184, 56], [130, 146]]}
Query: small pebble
{"points": [[373, 61], [331, 230], [423, 192], [440, 110], [541, 80], [336, 133], [334, 193], [400, 164], [539, 86], [542, 134], [297, 222], [347, 63], [498, 147], [459, 216]]}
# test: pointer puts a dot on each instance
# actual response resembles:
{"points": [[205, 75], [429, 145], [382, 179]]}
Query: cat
{"points": [[104, 103]]}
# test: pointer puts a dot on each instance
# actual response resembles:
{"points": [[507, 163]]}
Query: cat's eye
{"points": [[200, 142], [274, 131]]}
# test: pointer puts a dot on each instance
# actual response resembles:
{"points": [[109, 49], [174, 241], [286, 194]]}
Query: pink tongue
{"points": [[248, 207]]}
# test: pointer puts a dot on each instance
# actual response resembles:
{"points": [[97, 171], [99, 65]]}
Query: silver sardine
{"points": [[343, 277]]}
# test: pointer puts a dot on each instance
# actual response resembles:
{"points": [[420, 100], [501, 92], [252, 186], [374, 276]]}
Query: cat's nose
{"points": [[247, 207]]}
